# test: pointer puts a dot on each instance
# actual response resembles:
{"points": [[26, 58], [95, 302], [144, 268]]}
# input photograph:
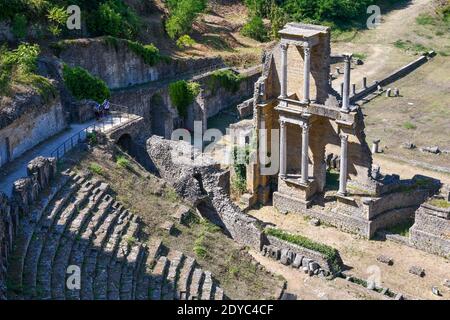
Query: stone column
{"points": [[306, 75], [365, 83], [284, 73], [282, 149], [343, 166], [346, 93], [305, 149], [353, 88]]}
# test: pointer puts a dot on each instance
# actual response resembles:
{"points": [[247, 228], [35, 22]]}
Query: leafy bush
{"points": [[185, 41], [85, 86], [57, 17], [19, 66], [149, 53], [331, 254], [182, 94], [19, 26], [226, 79], [255, 29], [182, 15]]}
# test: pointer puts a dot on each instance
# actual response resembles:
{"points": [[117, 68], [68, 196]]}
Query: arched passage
{"points": [[125, 142], [160, 116]]}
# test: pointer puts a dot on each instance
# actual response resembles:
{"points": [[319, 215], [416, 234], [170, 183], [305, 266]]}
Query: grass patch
{"points": [[123, 162], [402, 228], [409, 126], [95, 168], [409, 46], [331, 254], [440, 203], [425, 19], [362, 56]]}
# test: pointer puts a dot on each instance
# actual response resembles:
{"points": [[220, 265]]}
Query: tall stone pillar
{"points": [[282, 149], [343, 165], [284, 70], [346, 93], [305, 149], [306, 75]]}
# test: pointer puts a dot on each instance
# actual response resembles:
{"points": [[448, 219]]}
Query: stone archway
{"points": [[125, 142]]}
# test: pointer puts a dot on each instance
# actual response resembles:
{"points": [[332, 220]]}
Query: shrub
{"points": [[85, 86], [185, 41], [123, 162], [182, 15], [182, 94], [424, 19], [226, 79], [92, 138], [19, 26], [149, 53], [255, 29], [57, 17], [331, 254], [440, 203]]}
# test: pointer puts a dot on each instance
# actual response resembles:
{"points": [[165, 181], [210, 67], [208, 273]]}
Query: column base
{"points": [[306, 101]]}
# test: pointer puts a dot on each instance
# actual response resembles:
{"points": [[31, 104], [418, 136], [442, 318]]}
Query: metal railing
{"points": [[116, 116]]}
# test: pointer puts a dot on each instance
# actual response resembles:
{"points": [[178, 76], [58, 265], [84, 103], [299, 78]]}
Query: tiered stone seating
{"points": [[78, 223]]}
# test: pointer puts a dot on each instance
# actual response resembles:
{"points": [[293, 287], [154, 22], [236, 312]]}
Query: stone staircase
{"points": [[78, 226]]}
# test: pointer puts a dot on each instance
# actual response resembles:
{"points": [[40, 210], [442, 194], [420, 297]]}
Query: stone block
{"points": [[275, 253], [181, 214], [418, 271], [446, 283], [305, 262], [313, 266], [314, 222], [385, 259], [168, 226], [297, 261]]}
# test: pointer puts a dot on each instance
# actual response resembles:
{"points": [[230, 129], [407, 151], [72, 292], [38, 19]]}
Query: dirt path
{"points": [[382, 57]]}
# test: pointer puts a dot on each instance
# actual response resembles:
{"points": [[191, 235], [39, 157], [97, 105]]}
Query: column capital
{"points": [[347, 57], [305, 126], [282, 123], [344, 137], [284, 46], [307, 51]]}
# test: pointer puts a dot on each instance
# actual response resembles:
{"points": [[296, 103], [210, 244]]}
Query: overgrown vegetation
{"points": [[402, 228], [409, 46], [226, 79], [255, 29], [102, 17], [83, 85], [123, 162], [331, 254], [95, 168], [18, 67], [241, 158], [182, 93], [185, 41], [182, 14], [409, 126]]}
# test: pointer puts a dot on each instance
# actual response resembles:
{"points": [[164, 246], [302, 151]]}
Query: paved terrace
{"points": [[17, 168]]}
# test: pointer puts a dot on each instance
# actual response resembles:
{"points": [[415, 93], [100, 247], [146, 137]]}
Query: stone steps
{"points": [[48, 254], [79, 224], [24, 237], [169, 287], [184, 281], [71, 236], [196, 284], [40, 235], [79, 250]]}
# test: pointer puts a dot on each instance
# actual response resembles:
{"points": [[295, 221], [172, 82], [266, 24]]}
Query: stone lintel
{"points": [[346, 200], [296, 181], [296, 107]]}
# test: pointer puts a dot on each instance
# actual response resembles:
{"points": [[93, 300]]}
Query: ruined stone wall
{"points": [[203, 184], [41, 172], [431, 230], [120, 67], [26, 121]]}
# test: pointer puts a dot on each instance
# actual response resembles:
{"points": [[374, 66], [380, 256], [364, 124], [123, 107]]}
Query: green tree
{"points": [[182, 15], [255, 29], [83, 85]]}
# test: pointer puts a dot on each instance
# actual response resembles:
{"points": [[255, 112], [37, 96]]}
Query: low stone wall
{"points": [[41, 171], [310, 255], [202, 183], [431, 230], [390, 78], [245, 109]]}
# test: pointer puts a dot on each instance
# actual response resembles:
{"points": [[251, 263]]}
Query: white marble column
{"points": [[306, 75], [343, 167], [284, 70], [346, 93], [305, 156], [282, 149]]}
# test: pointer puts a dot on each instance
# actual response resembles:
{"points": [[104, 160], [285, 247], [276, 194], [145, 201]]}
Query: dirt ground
{"points": [[359, 255]]}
